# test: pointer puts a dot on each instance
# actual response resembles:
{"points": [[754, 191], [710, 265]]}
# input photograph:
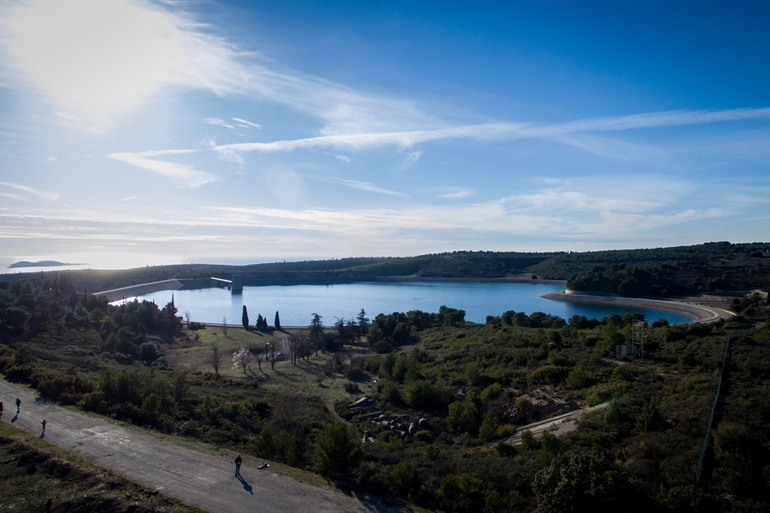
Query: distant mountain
{"points": [[41, 263]]}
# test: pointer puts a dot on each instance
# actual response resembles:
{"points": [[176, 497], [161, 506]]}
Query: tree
{"points": [[148, 352], [363, 323], [338, 450], [17, 317], [316, 332], [299, 347], [151, 408], [462, 416], [215, 359], [242, 358], [260, 322], [181, 387], [488, 429], [271, 348], [245, 318], [259, 356], [187, 317], [578, 378], [277, 321], [224, 326]]}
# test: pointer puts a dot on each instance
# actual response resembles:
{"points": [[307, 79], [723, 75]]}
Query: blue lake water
{"points": [[296, 303]]}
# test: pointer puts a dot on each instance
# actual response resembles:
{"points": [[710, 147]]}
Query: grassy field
{"points": [[32, 471], [308, 378]]}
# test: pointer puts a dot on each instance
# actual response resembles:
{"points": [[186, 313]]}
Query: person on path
{"points": [[238, 462], [44, 423], [18, 404], [1, 408]]}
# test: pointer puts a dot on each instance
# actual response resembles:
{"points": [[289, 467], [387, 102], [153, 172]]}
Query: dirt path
{"points": [[559, 425], [198, 477]]}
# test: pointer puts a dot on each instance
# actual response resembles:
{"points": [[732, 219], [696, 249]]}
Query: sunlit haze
{"points": [[140, 133]]}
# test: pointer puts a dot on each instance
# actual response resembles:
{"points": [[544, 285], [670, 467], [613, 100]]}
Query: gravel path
{"points": [[196, 476]]}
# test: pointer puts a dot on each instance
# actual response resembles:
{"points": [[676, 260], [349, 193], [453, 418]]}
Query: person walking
{"points": [[238, 462], [43, 423], [18, 404], [1, 408]]}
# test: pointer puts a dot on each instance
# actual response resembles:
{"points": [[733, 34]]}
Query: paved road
{"points": [[198, 477]]}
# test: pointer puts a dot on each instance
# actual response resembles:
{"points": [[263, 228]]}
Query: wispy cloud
{"points": [[218, 122], [48, 196], [452, 192], [356, 184], [246, 124], [51, 159], [182, 175], [506, 131], [409, 161], [13, 196], [129, 198]]}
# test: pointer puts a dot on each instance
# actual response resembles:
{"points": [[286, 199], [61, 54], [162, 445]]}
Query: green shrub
{"points": [[546, 375]]}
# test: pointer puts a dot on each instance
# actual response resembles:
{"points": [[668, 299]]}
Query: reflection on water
{"points": [[296, 303]]}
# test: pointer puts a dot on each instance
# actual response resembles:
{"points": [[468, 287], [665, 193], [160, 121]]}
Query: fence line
{"points": [[735, 334]]}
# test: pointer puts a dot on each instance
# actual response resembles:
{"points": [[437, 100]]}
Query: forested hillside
{"points": [[649, 272], [445, 398]]}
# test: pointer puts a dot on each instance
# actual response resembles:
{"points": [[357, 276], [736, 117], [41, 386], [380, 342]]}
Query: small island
{"points": [[41, 263]]}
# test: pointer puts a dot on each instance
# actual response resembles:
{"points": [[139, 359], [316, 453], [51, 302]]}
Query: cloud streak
{"points": [[504, 131], [246, 124], [48, 196], [182, 175], [359, 185]]}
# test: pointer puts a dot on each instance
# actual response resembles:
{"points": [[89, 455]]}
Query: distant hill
{"points": [[41, 263], [648, 272]]}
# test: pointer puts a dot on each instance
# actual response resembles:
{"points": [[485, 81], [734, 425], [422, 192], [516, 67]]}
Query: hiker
{"points": [[1, 408], [238, 462], [18, 404], [44, 423]]}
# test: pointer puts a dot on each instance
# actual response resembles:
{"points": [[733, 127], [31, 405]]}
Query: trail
{"points": [[197, 476], [559, 425]]}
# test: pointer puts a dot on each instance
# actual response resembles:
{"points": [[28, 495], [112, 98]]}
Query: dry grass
{"points": [[308, 378]]}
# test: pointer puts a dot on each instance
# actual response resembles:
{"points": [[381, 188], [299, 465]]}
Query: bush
{"points": [[404, 479], [462, 416], [337, 451], [506, 450], [389, 392], [424, 395], [546, 375], [577, 378]]}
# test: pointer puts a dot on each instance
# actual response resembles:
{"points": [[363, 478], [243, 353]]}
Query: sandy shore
{"points": [[698, 314]]}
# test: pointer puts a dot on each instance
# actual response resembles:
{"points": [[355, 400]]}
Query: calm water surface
{"points": [[296, 303]]}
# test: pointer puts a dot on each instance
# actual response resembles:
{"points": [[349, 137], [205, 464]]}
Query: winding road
{"points": [[197, 476]]}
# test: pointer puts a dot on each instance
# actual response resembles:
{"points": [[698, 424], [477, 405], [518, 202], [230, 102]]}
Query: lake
{"points": [[296, 303]]}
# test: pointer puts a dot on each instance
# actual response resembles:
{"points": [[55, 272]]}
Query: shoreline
{"points": [[698, 314]]}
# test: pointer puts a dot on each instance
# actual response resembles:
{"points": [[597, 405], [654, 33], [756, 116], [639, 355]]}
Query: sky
{"points": [[145, 133]]}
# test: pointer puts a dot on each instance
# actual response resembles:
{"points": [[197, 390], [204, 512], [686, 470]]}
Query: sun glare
{"points": [[96, 58]]}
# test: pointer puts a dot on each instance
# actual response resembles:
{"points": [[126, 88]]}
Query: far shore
{"points": [[698, 314]]}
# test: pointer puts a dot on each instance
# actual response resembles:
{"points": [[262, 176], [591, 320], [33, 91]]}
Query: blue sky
{"points": [[136, 133]]}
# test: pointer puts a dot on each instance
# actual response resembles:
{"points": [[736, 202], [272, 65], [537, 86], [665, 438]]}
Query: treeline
{"points": [[655, 271]]}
